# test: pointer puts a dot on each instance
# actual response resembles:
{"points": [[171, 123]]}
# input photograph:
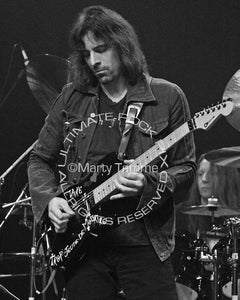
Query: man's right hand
{"points": [[59, 213]]}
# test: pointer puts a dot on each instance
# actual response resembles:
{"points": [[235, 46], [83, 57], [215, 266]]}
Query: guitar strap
{"points": [[133, 112]]}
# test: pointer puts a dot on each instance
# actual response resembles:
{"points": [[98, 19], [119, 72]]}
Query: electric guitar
{"points": [[83, 199]]}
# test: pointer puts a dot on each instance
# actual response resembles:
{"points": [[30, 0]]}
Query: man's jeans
{"points": [[122, 273]]}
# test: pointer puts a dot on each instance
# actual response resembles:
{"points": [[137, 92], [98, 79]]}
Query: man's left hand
{"points": [[129, 184]]}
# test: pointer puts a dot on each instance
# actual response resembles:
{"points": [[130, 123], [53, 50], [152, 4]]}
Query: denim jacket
{"points": [[164, 109]]}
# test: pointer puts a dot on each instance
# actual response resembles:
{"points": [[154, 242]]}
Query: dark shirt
{"points": [[106, 140], [165, 109]]}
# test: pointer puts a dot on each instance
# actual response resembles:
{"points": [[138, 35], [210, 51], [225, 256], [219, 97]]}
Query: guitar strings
{"points": [[109, 183]]}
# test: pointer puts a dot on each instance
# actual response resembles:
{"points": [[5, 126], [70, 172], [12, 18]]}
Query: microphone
{"points": [[25, 57]]}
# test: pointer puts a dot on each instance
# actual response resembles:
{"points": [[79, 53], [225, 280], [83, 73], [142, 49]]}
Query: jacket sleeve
{"points": [[43, 183], [177, 171]]}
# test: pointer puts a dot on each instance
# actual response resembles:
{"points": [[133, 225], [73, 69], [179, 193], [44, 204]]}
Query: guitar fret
{"points": [[104, 189], [77, 197]]}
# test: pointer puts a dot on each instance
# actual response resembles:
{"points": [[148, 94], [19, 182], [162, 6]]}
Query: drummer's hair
{"points": [[110, 27], [226, 188]]}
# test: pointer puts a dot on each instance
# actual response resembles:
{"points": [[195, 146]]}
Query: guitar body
{"points": [[85, 226], [89, 199]]}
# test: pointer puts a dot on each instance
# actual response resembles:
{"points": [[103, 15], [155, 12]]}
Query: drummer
{"points": [[202, 234], [215, 181]]}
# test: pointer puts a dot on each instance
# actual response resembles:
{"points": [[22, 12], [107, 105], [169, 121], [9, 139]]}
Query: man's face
{"points": [[205, 177], [103, 61]]}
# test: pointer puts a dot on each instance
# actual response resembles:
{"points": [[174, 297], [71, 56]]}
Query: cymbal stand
{"points": [[215, 274], [214, 257], [234, 264]]}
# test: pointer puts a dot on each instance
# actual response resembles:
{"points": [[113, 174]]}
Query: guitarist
{"points": [[88, 121]]}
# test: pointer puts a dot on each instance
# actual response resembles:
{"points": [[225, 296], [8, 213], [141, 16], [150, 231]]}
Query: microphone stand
{"points": [[20, 76], [16, 162]]}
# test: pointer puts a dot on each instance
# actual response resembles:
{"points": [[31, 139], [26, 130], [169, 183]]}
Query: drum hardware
{"points": [[46, 75], [24, 221], [6, 291], [14, 205], [20, 202], [26, 208], [21, 257], [215, 275], [233, 224], [229, 252], [12, 208], [207, 258], [192, 279], [14, 275], [32, 255], [212, 210]]}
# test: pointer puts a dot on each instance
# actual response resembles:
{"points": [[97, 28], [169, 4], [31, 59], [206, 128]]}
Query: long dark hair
{"points": [[114, 31], [226, 188], [226, 185]]}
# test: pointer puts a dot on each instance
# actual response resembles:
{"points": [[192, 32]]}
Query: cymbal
{"points": [[46, 75], [226, 157], [232, 90], [211, 210]]}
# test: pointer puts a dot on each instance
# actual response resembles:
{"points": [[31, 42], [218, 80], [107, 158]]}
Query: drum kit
{"points": [[46, 75], [199, 267], [206, 272], [211, 270]]}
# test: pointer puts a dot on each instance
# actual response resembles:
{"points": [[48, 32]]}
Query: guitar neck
{"points": [[108, 187]]}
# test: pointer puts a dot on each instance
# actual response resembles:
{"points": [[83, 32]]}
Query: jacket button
{"points": [[83, 135], [79, 157], [74, 180], [92, 115], [67, 126]]}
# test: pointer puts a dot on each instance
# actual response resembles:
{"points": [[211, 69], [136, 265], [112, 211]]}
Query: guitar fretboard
{"points": [[108, 187]]}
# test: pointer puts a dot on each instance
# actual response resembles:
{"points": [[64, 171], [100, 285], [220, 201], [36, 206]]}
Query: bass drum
{"points": [[185, 293], [182, 244], [227, 290], [192, 279]]}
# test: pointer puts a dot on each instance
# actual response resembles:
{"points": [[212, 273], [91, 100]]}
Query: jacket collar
{"points": [[140, 92]]}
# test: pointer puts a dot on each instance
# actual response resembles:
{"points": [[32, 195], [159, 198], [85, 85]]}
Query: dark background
{"points": [[195, 44]]}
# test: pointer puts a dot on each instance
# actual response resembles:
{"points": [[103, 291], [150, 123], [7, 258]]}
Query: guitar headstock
{"points": [[206, 117]]}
